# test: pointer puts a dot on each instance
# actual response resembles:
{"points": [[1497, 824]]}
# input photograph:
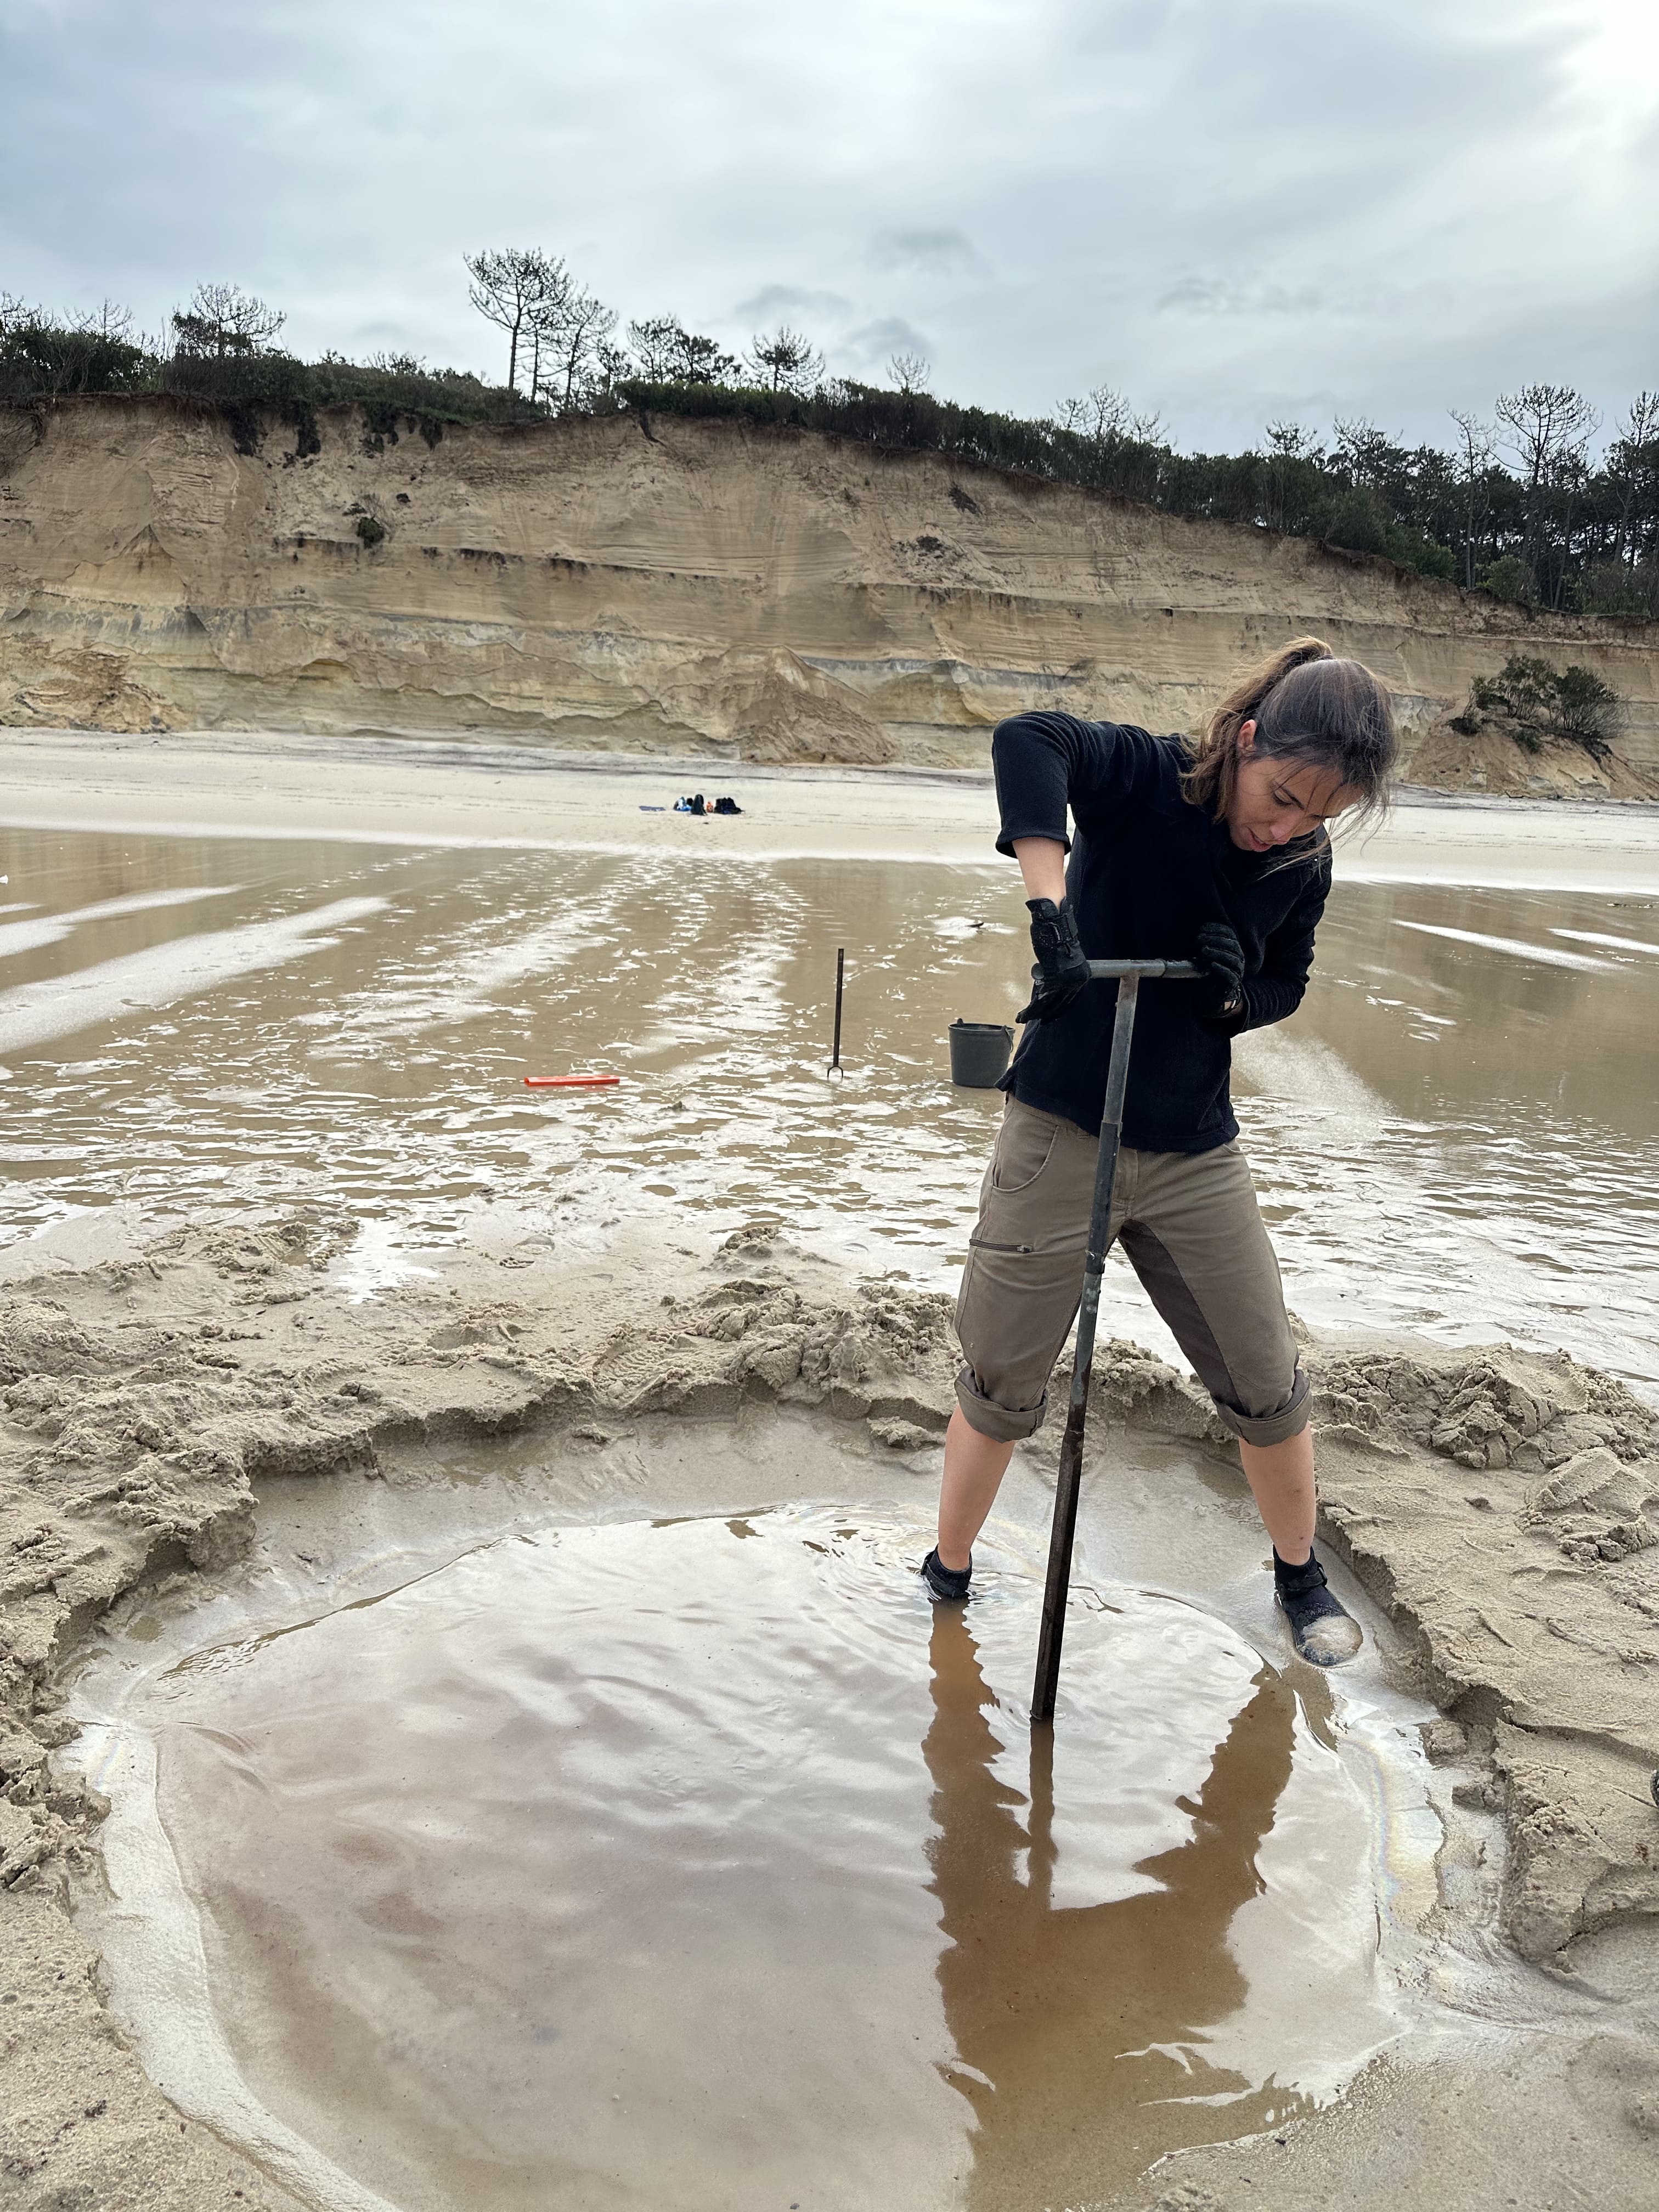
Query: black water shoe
{"points": [[944, 1582], [1322, 1629]]}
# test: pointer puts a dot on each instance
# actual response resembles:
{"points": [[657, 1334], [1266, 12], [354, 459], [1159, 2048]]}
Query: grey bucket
{"points": [[978, 1053]]}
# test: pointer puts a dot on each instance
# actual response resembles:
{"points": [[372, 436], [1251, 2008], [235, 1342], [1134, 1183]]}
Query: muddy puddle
{"points": [[192, 1024], [586, 1855]]}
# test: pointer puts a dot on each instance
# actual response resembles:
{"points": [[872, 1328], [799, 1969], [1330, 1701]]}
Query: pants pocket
{"points": [[1025, 1143]]}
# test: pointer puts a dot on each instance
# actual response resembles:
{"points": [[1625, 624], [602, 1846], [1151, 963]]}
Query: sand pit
{"points": [[702, 1847], [1498, 1506]]}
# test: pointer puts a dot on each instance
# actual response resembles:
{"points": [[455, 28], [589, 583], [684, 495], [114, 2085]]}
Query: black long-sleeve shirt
{"points": [[1148, 867]]}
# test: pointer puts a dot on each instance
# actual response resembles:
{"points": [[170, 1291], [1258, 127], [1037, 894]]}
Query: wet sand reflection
{"points": [[1083, 2027]]}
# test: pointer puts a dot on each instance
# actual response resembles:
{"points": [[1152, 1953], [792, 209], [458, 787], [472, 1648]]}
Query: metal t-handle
{"points": [[1129, 975]]}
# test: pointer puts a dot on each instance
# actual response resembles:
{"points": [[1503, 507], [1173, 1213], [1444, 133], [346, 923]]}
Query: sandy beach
{"points": [[221, 1421], [415, 791]]}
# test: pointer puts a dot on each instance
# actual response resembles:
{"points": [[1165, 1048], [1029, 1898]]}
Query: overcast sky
{"points": [[1230, 209]]}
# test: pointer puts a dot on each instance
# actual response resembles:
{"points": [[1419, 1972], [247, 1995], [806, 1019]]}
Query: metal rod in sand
{"points": [[835, 1066], [1129, 975]]}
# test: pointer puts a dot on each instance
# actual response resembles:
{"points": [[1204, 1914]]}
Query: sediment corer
{"points": [[1127, 975]]}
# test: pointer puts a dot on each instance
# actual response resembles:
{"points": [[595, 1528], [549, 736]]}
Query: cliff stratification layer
{"points": [[668, 585]]}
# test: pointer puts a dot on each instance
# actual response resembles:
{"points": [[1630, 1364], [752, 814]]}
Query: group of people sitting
{"points": [[698, 804]]}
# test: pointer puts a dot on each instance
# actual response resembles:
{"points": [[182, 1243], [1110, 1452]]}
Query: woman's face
{"points": [[1274, 800]]}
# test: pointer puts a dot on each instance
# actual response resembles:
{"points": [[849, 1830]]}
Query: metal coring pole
{"points": [[1129, 975]]}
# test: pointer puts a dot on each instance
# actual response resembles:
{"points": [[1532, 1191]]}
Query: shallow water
{"points": [[1466, 1099], [701, 1861]]}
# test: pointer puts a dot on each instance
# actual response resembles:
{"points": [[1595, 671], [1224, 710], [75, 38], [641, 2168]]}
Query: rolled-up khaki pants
{"points": [[1194, 1233]]}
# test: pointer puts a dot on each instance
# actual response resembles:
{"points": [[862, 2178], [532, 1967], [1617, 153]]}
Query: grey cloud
{"points": [[1229, 208], [929, 252], [875, 344], [791, 300]]}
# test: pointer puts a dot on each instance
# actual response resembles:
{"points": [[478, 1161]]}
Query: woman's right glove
{"points": [[1062, 967]]}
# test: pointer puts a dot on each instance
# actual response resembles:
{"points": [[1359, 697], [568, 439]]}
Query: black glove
{"points": [[1221, 990], [1063, 968]]}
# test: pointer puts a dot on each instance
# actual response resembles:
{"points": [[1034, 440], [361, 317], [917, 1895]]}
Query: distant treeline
{"points": [[1516, 506]]}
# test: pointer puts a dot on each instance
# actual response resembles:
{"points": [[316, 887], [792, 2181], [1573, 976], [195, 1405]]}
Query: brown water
{"points": [[1457, 1134], [703, 1862]]}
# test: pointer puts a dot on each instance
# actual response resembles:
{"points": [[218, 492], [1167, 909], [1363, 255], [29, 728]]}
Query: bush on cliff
{"points": [[1538, 701], [43, 360], [1627, 592]]}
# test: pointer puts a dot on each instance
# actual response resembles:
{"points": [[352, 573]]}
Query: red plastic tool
{"points": [[569, 1082]]}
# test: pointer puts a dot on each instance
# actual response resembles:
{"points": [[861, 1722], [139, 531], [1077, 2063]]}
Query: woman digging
{"points": [[1219, 854]]}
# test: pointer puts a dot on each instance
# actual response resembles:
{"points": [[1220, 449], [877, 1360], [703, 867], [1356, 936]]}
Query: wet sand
{"points": [[293, 1314], [413, 791], [215, 1023]]}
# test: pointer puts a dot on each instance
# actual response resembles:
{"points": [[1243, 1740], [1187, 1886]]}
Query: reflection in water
{"points": [[636, 1865], [1080, 2029]]}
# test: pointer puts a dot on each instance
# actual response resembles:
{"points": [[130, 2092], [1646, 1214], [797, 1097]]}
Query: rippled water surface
{"points": [[1456, 1134]]}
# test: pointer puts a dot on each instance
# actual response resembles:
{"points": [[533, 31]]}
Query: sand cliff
{"points": [[677, 585]]}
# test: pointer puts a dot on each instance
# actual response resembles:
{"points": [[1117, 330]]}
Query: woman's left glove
{"points": [[1220, 990]]}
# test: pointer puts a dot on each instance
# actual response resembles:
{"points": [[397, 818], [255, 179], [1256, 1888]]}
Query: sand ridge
{"points": [[1504, 1506]]}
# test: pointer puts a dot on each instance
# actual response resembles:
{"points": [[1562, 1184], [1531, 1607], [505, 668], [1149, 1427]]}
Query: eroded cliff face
{"points": [[667, 585]]}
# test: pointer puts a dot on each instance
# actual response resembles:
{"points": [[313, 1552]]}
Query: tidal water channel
{"points": [[1457, 1134]]}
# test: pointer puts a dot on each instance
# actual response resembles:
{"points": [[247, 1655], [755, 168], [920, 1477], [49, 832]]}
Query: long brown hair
{"points": [[1307, 705]]}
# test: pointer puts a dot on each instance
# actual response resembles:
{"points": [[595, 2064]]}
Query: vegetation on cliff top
{"points": [[1516, 507]]}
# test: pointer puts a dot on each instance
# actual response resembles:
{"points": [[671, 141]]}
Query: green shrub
{"points": [[39, 360], [1358, 523], [1586, 710], [1631, 595], [1539, 702], [1509, 577], [370, 530], [1414, 549]]}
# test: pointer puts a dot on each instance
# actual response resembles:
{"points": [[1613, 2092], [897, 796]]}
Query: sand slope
{"points": [[1486, 758], [670, 585]]}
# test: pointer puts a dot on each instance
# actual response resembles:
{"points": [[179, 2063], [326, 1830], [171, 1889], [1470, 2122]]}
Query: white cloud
{"points": [[1217, 296]]}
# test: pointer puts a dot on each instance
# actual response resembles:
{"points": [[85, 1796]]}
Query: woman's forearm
{"points": [[1042, 863]]}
